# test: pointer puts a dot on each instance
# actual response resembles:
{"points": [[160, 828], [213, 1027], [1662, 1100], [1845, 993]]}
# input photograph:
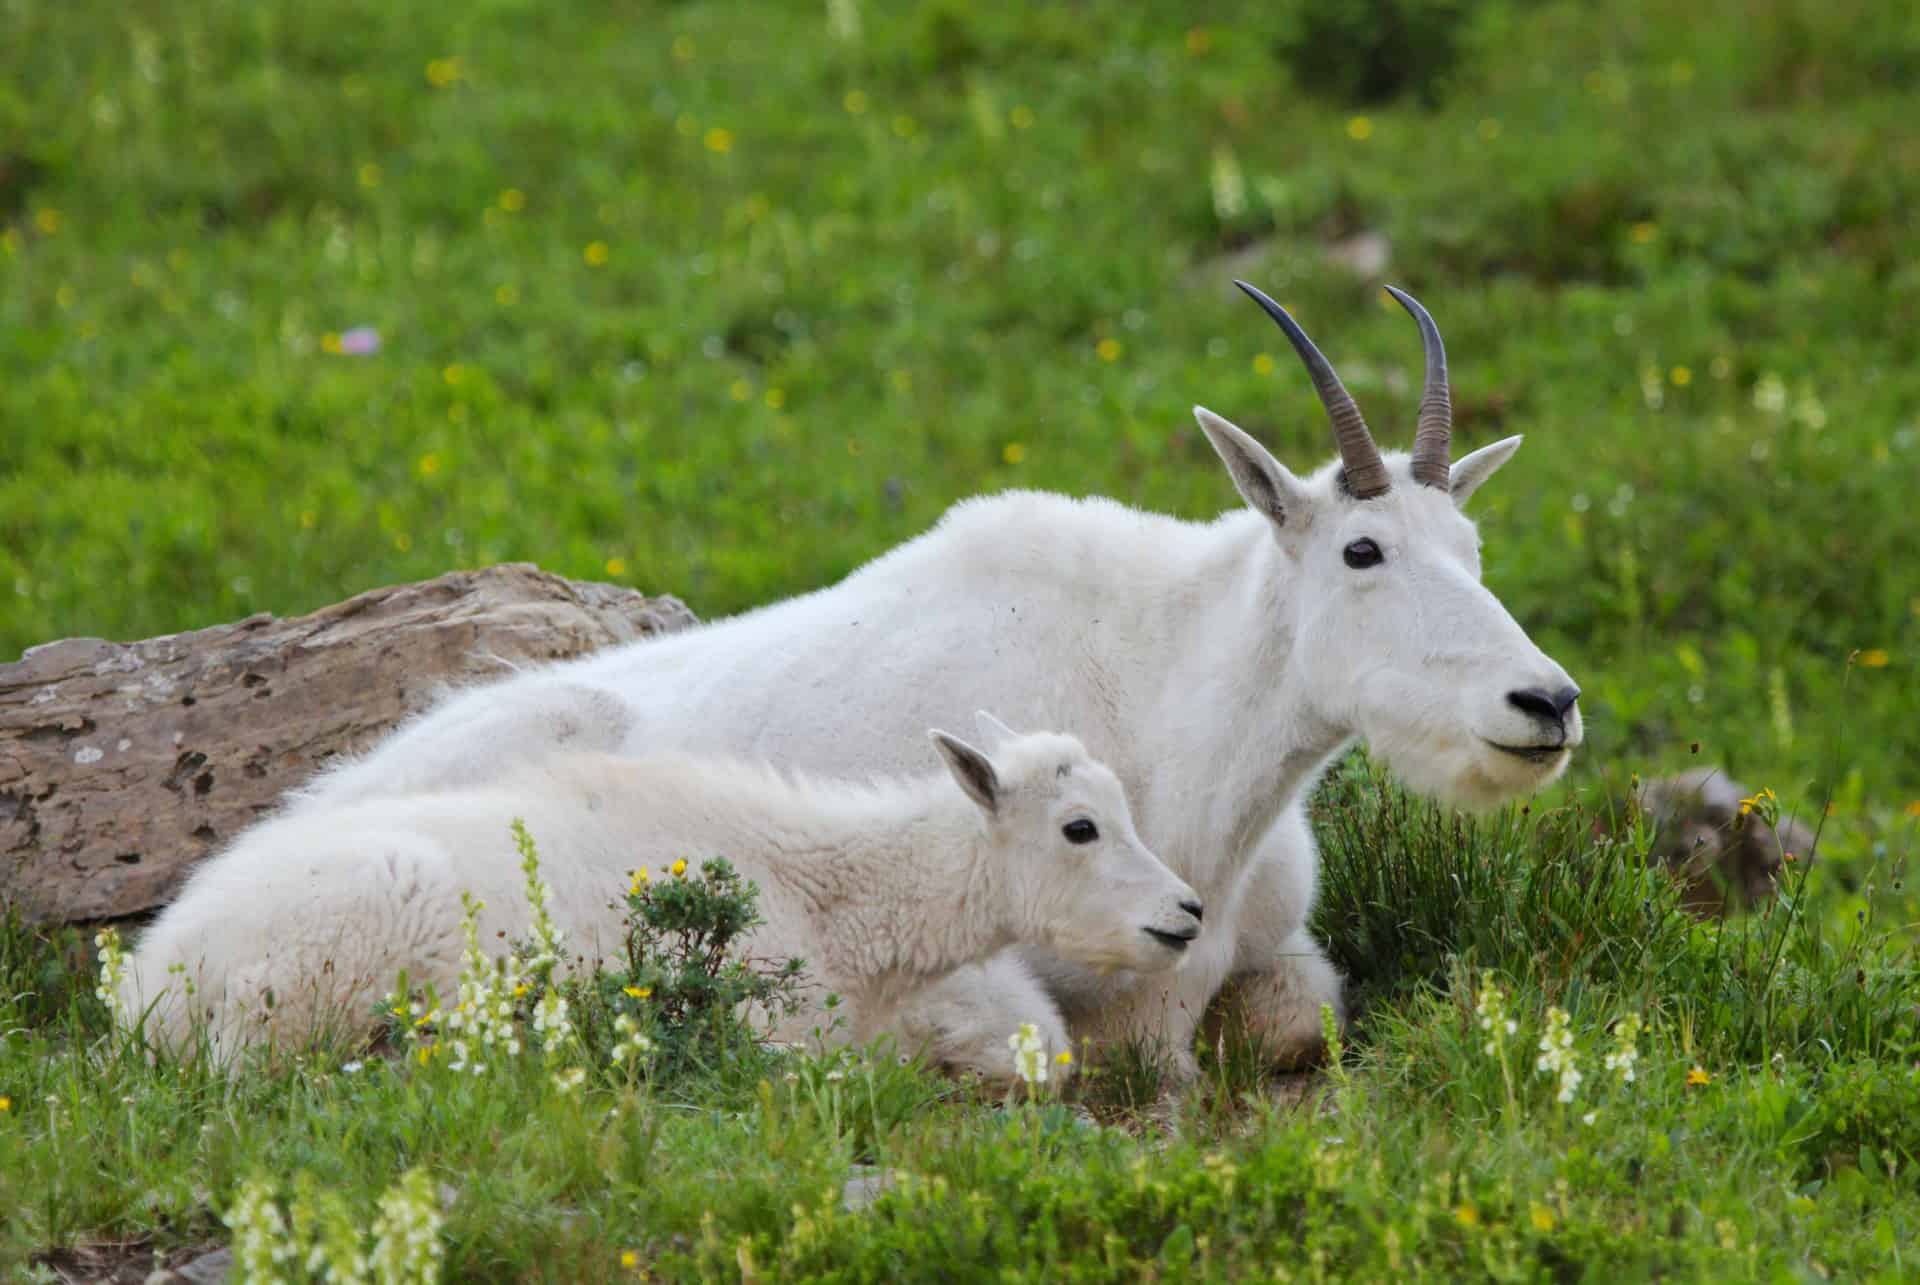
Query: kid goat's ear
{"points": [[972, 769], [1263, 482]]}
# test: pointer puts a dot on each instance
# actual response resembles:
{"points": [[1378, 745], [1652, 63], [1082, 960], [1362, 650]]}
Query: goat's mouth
{"points": [[1533, 753], [1175, 942]]}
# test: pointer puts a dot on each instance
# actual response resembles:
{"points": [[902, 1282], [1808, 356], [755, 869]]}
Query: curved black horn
{"points": [[1433, 432], [1366, 472]]}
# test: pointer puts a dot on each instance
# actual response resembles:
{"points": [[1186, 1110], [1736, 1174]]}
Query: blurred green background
{"points": [[722, 300]]}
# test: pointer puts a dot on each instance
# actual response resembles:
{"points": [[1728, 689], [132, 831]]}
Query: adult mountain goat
{"points": [[302, 924], [1217, 668]]}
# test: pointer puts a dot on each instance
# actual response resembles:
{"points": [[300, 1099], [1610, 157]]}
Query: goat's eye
{"points": [[1081, 831], [1363, 553]]}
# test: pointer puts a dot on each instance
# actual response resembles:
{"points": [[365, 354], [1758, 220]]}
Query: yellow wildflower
{"points": [[679, 867], [1064, 1057], [1542, 1217], [1642, 233], [6, 1103], [1360, 129], [519, 990], [513, 200], [1109, 350], [719, 140], [639, 992], [1875, 658], [595, 254], [369, 175], [1262, 364], [1913, 808], [48, 221], [629, 1259], [1467, 1216], [1013, 452], [1698, 1075], [855, 102]]}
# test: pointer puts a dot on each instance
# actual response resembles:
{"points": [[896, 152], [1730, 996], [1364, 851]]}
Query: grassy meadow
{"points": [[722, 300]]}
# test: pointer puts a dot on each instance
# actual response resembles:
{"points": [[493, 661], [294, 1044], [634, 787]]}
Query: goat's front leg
{"points": [[1281, 976], [964, 1021]]}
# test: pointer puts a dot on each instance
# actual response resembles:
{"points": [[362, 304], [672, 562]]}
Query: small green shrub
{"points": [[682, 980], [1375, 50]]}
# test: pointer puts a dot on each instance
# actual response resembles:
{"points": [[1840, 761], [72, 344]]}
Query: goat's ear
{"points": [[1475, 467], [971, 768], [1263, 482], [993, 732]]}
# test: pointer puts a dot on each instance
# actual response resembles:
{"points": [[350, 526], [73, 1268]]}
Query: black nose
{"points": [[1541, 704], [1194, 908]]}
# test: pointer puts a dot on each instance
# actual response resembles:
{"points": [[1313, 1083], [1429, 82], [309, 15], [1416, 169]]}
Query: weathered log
{"points": [[123, 764]]}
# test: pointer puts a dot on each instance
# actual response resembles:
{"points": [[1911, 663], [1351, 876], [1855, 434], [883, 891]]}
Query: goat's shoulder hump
{"points": [[1019, 526]]}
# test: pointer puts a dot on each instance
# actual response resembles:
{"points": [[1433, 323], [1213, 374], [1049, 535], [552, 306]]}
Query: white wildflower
{"points": [[1626, 1050], [1491, 1007], [630, 1042], [326, 1241], [546, 935], [1229, 183], [481, 1018], [112, 964], [1029, 1054], [1770, 393], [1557, 1056], [406, 1235], [570, 1079], [551, 1022], [260, 1243]]}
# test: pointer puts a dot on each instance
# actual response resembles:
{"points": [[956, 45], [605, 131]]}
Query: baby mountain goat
{"points": [[879, 887]]}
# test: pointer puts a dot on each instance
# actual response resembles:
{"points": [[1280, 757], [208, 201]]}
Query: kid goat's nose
{"points": [[1551, 707], [1194, 908]]}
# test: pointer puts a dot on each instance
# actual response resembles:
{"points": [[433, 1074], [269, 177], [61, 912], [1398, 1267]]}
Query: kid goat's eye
{"points": [[1364, 553], [1081, 831]]}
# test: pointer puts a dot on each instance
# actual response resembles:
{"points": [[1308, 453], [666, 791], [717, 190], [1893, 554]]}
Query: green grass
{"points": [[847, 279]]}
